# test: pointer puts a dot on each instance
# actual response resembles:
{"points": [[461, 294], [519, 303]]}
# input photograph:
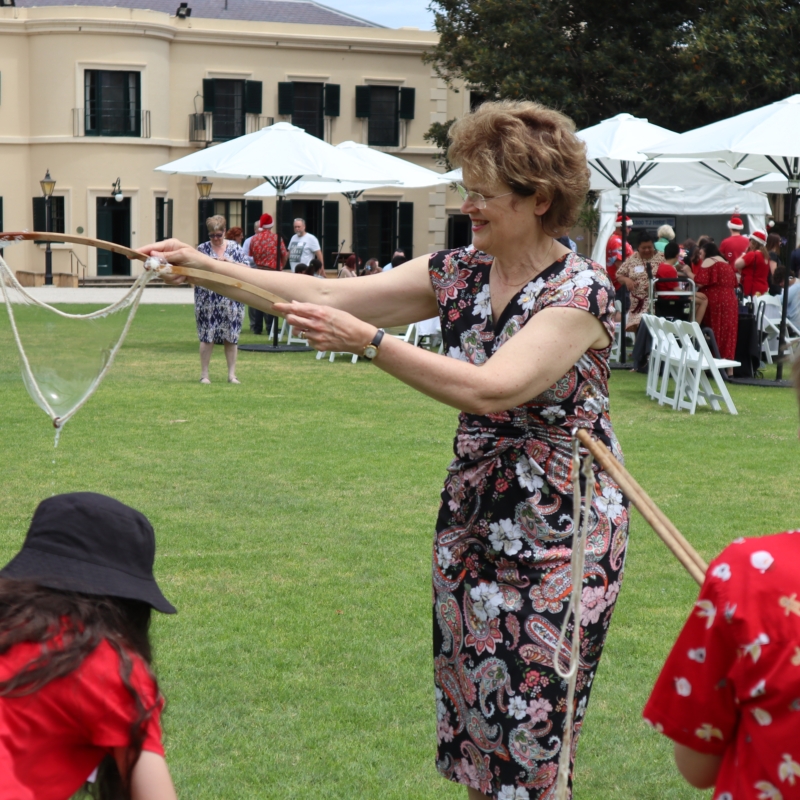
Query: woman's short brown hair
{"points": [[216, 223], [529, 147]]}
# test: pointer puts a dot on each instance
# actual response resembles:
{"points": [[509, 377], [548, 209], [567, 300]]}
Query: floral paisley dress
{"points": [[219, 319], [501, 560]]}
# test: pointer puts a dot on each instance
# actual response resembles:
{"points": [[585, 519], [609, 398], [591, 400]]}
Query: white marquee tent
{"points": [[716, 198]]}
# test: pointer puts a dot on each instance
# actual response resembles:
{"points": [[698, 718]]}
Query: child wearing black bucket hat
{"points": [[79, 703]]}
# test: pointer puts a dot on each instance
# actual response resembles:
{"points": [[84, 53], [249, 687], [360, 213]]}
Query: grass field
{"points": [[294, 519]]}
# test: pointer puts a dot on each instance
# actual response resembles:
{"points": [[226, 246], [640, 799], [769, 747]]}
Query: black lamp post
{"points": [[48, 185], [206, 208]]}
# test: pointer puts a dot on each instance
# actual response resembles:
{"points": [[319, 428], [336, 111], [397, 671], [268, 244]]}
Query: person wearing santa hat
{"points": [[734, 246], [753, 266], [264, 252], [614, 257]]}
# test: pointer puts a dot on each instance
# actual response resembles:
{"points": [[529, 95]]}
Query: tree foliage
{"points": [[673, 62]]}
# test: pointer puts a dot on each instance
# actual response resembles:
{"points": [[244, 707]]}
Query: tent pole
{"points": [[793, 183], [623, 356], [281, 190]]}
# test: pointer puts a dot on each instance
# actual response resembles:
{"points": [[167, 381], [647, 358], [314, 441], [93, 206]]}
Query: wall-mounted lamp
{"points": [[116, 191], [204, 187], [183, 11]]}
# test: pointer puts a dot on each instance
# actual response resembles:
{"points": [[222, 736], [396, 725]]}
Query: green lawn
{"points": [[294, 518]]}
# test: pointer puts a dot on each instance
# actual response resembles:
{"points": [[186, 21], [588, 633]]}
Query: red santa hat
{"points": [[735, 223], [265, 221], [759, 237], [628, 221]]}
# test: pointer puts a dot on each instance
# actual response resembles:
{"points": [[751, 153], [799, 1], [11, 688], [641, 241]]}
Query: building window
{"points": [[384, 107], [229, 101], [308, 104], [56, 214], [381, 227], [112, 103], [476, 99], [163, 219]]}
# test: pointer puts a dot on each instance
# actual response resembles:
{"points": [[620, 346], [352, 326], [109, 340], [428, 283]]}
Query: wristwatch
{"points": [[371, 350]]}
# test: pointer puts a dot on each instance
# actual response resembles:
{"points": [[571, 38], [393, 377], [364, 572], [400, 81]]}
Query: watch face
{"points": [[370, 351]]}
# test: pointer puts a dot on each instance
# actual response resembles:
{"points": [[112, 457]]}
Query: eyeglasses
{"points": [[216, 235], [476, 198]]}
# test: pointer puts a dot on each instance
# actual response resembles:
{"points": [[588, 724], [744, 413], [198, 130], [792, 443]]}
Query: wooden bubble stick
{"points": [[655, 517]]}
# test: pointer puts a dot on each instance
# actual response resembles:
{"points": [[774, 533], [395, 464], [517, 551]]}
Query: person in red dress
{"points": [[753, 266], [717, 279], [729, 693], [733, 247], [614, 257]]}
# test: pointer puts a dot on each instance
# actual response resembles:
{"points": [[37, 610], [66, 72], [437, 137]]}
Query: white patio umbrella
{"points": [[281, 154], [762, 139], [403, 175], [615, 149]]}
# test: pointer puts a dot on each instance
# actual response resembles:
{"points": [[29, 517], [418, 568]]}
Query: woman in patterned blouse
{"points": [[527, 328]]}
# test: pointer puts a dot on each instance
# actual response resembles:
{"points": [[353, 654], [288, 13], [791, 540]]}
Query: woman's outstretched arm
{"points": [[397, 297], [531, 361]]}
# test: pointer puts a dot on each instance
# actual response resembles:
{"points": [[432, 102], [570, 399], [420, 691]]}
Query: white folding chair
{"points": [[671, 357], [409, 332], [291, 339], [697, 365], [654, 362], [770, 309], [342, 353]]}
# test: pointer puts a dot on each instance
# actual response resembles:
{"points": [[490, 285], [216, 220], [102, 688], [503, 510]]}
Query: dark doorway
{"points": [[113, 225], [459, 231]]}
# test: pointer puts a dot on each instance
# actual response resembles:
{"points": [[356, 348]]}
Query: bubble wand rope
{"points": [[135, 292], [654, 516], [161, 267]]}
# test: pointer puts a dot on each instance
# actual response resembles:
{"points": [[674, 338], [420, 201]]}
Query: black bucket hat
{"points": [[93, 544]]}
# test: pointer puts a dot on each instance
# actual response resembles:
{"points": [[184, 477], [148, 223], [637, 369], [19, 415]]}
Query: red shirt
{"points": [[52, 740], [731, 685], [755, 274], [734, 247], [666, 271], [264, 250]]}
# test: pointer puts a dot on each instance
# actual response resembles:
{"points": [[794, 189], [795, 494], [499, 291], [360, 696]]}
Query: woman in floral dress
{"points": [[219, 318], [527, 327]]}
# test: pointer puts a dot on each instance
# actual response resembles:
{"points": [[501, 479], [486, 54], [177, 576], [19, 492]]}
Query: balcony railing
{"points": [[111, 122], [201, 126]]}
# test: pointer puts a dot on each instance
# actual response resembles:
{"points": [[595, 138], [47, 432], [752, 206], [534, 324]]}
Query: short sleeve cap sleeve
{"points": [[582, 285], [693, 699], [107, 706]]}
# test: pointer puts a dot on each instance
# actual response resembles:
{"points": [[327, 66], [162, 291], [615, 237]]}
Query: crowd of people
{"points": [[740, 267], [219, 319]]}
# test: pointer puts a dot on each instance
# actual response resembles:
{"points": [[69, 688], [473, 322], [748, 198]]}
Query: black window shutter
{"points": [[332, 95], [330, 231], [39, 223], [361, 229], [405, 228], [253, 209], [168, 219], [363, 96], [285, 99], [252, 97], [209, 95], [407, 95]]}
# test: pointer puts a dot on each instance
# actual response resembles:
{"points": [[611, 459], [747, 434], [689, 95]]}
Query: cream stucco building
{"points": [[96, 94]]}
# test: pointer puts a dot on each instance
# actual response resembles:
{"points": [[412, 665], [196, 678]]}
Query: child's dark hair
{"points": [[70, 626]]}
